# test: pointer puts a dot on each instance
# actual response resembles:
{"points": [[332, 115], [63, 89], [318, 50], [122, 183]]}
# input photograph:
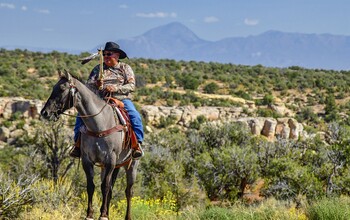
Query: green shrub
{"points": [[20, 124], [243, 95], [195, 124], [166, 121], [15, 195], [54, 200], [266, 112], [211, 88]]}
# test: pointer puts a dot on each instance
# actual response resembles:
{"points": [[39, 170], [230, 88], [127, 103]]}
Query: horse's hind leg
{"points": [[130, 179], [89, 173]]}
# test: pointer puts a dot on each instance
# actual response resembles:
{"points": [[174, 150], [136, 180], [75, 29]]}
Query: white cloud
{"points": [[256, 54], [43, 11], [157, 15], [7, 5], [251, 22], [123, 6], [211, 19], [24, 8]]}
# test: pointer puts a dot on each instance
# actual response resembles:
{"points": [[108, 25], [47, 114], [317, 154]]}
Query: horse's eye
{"points": [[63, 87]]}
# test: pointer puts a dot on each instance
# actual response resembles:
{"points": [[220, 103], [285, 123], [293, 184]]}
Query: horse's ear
{"points": [[67, 75], [60, 73]]}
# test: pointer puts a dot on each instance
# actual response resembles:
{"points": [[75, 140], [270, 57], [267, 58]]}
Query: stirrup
{"points": [[75, 152], [137, 153]]}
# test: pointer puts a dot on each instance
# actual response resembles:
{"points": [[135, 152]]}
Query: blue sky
{"points": [[83, 24]]}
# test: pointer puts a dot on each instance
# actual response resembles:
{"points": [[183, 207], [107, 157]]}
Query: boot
{"points": [[75, 152], [137, 153]]}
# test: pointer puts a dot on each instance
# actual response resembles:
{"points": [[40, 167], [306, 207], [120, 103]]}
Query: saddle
{"points": [[123, 117]]}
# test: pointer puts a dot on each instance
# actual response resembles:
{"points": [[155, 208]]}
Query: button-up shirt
{"points": [[121, 77]]}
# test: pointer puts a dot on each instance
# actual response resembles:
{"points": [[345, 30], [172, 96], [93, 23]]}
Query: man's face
{"points": [[110, 57]]}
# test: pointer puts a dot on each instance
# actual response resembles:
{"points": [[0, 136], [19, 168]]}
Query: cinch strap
{"points": [[105, 133]]}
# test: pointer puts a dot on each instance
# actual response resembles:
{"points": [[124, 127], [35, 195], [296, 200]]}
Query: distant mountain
{"points": [[41, 49], [272, 48], [169, 41]]}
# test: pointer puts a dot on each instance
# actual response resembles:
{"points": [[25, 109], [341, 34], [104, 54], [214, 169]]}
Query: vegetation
{"points": [[209, 171], [32, 74], [191, 170]]}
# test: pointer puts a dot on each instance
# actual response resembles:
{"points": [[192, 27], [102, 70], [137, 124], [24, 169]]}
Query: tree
{"points": [[338, 153], [224, 160], [53, 147], [164, 170], [331, 108]]}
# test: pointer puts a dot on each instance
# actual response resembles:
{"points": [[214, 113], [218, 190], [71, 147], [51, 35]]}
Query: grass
{"points": [[166, 210], [330, 209], [60, 203]]}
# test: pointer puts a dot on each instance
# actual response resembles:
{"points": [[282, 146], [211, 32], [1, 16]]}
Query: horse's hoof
{"points": [[89, 218], [103, 218]]}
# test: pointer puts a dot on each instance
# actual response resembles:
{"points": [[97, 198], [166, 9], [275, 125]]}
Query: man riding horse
{"points": [[117, 80]]}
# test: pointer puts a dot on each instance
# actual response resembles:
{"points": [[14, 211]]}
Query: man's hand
{"points": [[99, 83], [109, 88]]}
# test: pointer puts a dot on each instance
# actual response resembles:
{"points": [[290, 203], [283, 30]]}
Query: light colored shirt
{"points": [[121, 77]]}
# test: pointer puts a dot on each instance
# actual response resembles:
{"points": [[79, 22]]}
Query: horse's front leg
{"points": [[130, 179], [89, 173], [106, 177], [114, 178]]}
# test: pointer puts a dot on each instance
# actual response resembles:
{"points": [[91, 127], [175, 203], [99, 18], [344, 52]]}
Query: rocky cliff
{"points": [[271, 128]]}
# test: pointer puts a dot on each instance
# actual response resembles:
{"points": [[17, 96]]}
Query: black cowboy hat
{"points": [[111, 46]]}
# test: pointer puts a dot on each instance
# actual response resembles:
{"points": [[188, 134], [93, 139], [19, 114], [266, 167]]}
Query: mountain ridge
{"points": [[271, 48]]}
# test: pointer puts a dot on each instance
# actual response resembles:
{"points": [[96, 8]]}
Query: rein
{"points": [[72, 91]]}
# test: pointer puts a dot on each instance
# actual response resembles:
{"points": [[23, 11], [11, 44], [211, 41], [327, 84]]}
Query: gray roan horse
{"points": [[106, 150]]}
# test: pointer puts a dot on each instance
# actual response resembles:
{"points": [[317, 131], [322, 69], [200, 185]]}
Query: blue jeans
{"points": [[135, 119]]}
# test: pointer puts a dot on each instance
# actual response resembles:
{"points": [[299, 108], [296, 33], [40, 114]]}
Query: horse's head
{"points": [[60, 99]]}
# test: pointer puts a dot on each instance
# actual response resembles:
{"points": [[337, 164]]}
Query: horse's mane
{"points": [[74, 76], [77, 77], [89, 86]]}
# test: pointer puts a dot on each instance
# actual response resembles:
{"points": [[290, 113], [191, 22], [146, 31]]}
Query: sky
{"points": [[84, 24]]}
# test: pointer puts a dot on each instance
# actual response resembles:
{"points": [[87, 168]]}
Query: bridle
{"points": [[72, 95], [70, 100]]}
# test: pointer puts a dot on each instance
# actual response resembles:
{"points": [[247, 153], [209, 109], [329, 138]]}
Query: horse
{"points": [[101, 144]]}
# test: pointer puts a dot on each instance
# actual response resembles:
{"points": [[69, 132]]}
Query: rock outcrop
{"points": [[287, 128], [28, 108]]}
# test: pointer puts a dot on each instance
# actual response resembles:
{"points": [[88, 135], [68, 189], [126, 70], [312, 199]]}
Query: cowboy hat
{"points": [[111, 46]]}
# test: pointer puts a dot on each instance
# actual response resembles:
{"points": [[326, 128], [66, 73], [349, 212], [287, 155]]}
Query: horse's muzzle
{"points": [[50, 116]]}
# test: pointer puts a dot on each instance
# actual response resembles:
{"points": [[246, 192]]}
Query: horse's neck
{"points": [[96, 114]]}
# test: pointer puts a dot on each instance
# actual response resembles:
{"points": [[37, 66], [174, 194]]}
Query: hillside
{"points": [[289, 102], [311, 96], [194, 164]]}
